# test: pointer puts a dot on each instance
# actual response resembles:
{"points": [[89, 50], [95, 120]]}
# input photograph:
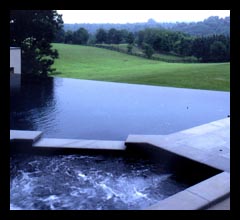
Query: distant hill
{"points": [[212, 25], [209, 26], [131, 27]]}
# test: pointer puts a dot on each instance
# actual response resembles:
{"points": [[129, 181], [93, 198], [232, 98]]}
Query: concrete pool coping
{"points": [[207, 144], [200, 196]]}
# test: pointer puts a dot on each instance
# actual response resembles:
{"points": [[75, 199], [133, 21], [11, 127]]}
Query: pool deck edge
{"points": [[203, 195], [208, 144]]}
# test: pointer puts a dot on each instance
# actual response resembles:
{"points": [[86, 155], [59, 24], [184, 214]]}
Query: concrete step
{"points": [[80, 144], [22, 135]]}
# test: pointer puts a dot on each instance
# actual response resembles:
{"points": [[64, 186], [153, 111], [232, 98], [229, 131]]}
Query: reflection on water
{"points": [[80, 182], [70, 108], [34, 100]]}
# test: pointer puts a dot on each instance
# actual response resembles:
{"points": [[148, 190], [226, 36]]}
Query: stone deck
{"points": [[208, 144]]}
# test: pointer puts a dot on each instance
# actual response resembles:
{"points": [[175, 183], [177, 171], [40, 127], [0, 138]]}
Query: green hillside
{"points": [[85, 62]]}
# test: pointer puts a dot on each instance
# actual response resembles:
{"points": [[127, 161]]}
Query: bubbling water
{"points": [[88, 182]]}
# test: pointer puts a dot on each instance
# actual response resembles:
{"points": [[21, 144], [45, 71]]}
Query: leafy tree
{"points": [[130, 38], [91, 39], [150, 35], [198, 48], [218, 51], [129, 48], [148, 50], [123, 35], [114, 36], [68, 37], [33, 31], [140, 38], [101, 36], [80, 36], [213, 48], [160, 40], [183, 47], [59, 36]]}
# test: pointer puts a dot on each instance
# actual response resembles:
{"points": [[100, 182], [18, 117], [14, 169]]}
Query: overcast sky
{"points": [[132, 16]]}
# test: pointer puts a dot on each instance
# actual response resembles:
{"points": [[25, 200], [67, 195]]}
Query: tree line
{"points": [[209, 26], [213, 48]]}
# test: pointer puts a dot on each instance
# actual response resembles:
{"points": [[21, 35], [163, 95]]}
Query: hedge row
{"points": [[114, 48]]}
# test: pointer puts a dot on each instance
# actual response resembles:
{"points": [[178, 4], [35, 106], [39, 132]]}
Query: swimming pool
{"points": [[84, 109]]}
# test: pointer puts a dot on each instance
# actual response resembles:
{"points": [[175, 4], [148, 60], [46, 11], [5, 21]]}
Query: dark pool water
{"points": [[71, 108]]}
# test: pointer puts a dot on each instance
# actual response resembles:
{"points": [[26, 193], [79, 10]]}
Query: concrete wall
{"points": [[15, 59]]}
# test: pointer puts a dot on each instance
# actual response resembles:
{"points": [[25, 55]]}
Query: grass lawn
{"points": [[85, 62]]}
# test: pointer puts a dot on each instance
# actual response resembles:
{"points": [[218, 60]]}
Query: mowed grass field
{"points": [[92, 63]]}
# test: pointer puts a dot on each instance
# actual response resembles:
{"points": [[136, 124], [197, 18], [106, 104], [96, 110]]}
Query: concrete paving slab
{"points": [[222, 122], [223, 205], [188, 152], [226, 155], [80, 144], [213, 188], [183, 200], [208, 143], [200, 130], [217, 161], [24, 135], [204, 142]]}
